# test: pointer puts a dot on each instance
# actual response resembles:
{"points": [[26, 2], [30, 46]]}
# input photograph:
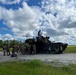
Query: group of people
{"points": [[31, 49]]}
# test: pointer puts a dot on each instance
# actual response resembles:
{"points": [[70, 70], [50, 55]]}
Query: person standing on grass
{"points": [[4, 49], [8, 50]]}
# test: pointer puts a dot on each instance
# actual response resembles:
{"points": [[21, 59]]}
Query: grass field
{"points": [[35, 67], [70, 49]]}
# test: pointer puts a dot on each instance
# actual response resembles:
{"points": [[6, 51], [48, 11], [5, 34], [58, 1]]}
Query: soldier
{"points": [[31, 48], [8, 50], [23, 48], [27, 50], [4, 49], [39, 33], [13, 51], [34, 48]]}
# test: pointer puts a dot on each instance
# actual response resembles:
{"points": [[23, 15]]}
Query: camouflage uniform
{"points": [[8, 50], [4, 50]]}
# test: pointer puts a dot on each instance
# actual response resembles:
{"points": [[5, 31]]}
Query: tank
{"points": [[44, 45]]}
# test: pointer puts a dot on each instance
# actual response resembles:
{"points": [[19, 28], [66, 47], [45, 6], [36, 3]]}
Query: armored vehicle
{"points": [[44, 45]]}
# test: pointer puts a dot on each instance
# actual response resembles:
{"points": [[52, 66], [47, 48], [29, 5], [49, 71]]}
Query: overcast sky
{"points": [[20, 19]]}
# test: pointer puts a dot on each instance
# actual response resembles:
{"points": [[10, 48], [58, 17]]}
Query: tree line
{"points": [[10, 43]]}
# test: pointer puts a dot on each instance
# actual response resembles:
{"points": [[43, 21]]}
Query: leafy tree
{"points": [[1, 43]]}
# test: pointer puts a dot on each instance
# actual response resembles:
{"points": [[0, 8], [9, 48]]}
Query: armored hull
{"points": [[43, 45]]}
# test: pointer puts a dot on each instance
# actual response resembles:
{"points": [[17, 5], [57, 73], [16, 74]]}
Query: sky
{"points": [[20, 19]]}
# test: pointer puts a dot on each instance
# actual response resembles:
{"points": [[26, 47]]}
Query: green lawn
{"points": [[70, 49], [34, 67]]}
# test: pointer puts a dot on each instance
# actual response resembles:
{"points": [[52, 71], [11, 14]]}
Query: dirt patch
{"points": [[49, 58]]}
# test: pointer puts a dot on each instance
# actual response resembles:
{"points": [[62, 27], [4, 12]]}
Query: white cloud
{"points": [[21, 21], [0, 37], [64, 21], [71, 40], [56, 18], [9, 1], [7, 37]]}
